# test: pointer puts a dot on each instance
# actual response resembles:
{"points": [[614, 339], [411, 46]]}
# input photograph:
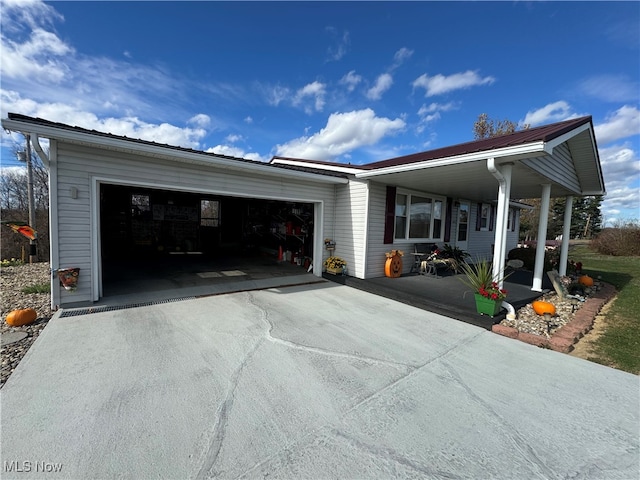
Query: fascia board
{"points": [[161, 151], [318, 166], [528, 149], [549, 146]]}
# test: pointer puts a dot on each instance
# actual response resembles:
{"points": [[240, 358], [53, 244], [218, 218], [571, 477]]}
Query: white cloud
{"points": [[233, 138], [200, 120], [316, 91], [611, 88], [553, 112], [342, 44], [248, 120], [383, 83], [277, 94], [621, 171], [440, 84], [624, 122], [17, 14], [431, 113], [232, 151], [40, 57], [401, 56], [343, 133], [129, 126], [351, 80]]}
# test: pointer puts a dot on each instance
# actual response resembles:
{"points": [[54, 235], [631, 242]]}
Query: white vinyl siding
{"points": [[558, 168], [376, 247], [85, 167], [350, 225]]}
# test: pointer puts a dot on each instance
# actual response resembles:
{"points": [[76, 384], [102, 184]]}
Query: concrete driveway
{"points": [[315, 381]]}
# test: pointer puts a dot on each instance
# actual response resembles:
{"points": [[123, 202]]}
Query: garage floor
{"points": [[178, 276]]}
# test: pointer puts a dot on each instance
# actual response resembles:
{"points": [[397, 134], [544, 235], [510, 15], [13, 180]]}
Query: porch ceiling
{"points": [[471, 181]]}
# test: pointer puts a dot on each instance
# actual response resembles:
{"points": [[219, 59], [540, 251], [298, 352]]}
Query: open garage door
{"points": [[154, 239]]}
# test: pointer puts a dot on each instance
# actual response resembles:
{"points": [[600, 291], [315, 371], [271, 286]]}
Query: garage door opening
{"points": [[152, 239]]}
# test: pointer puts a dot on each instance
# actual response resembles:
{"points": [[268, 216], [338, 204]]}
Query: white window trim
{"points": [[434, 198], [488, 207]]}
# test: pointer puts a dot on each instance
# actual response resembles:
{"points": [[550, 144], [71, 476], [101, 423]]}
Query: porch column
{"points": [[566, 234], [503, 175], [538, 270]]}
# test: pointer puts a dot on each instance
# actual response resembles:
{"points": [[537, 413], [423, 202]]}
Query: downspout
{"points": [[54, 257], [504, 191], [500, 248], [35, 141]]}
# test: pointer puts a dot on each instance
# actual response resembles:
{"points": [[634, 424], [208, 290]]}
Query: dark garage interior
{"points": [[183, 238]]}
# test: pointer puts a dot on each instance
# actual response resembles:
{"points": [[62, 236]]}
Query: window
{"points": [[485, 211], [418, 217], [209, 213], [401, 216], [463, 222], [511, 220]]}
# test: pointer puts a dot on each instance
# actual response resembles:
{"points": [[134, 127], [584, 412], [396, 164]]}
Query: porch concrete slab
{"points": [[308, 381]]}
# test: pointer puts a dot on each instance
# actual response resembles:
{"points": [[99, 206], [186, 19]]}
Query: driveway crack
{"points": [[222, 416], [320, 351]]}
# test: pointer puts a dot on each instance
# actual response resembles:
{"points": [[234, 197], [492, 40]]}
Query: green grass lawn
{"points": [[619, 346]]}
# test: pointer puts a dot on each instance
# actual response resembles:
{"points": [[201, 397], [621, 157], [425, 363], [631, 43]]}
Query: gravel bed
{"points": [[12, 281], [529, 321]]}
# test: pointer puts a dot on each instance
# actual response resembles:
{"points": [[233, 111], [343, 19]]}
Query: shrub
{"points": [[622, 241], [528, 256]]}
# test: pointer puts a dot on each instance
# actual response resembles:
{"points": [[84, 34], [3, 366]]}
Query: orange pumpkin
{"points": [[393, 266], [541, 307], [25, 316], [586, 281]]}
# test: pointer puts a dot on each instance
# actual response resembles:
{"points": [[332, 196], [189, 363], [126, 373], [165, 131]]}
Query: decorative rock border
{"points": [[563, 339]]}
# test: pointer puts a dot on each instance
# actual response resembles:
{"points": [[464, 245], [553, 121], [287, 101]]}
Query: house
{"points": [[114, 198]]}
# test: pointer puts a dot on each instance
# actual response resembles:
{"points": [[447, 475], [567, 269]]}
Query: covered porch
{"points": [[554, 161], [446, 295]]}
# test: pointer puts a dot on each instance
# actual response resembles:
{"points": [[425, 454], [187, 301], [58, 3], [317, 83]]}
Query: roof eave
{"points": [[183, 156], [528, 150]]}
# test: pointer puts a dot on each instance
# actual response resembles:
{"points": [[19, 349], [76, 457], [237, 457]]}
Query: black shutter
{"points": [[390, 214], [447, 220], [492, 217], [479, 218]]}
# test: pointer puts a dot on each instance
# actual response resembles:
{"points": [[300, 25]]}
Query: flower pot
{"points": [[335, 270], [486, 306]]}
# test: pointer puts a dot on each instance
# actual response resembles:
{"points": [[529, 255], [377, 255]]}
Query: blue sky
{"points": [[348, 82]]}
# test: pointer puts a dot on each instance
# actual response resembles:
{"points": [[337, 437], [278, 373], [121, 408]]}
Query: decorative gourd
{"points": [[586, 281], [541, 307], [393, 266], [25, 316]]}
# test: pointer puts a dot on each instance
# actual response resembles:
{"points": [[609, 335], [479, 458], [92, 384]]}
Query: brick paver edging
{"points": [[565, 337]]}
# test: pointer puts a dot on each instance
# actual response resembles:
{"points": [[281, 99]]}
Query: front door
{"points": [[462, 233]]}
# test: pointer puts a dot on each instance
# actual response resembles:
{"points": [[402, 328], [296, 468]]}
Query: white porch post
{"points": [[542, 238], [503, 175], [566, 233]]}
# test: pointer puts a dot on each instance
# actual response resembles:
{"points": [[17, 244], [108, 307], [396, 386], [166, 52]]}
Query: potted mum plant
{"points": [[488, 295], [335, 265]]}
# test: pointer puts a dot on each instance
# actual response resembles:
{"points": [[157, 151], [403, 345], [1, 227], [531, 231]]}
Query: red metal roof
{"points": [[544, 133]]}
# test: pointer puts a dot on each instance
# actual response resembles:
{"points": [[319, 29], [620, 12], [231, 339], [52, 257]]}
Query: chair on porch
{"points": [[423, 262]]}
